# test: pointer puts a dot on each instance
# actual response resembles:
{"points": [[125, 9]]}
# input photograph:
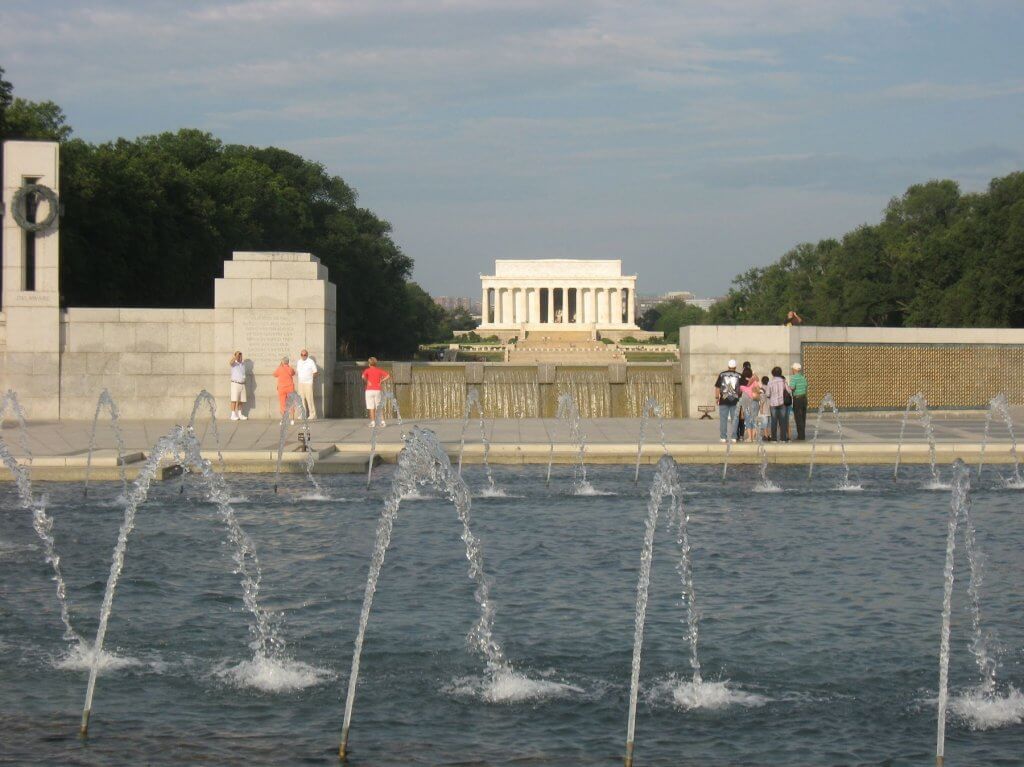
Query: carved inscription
{"points": [[268, 338]]}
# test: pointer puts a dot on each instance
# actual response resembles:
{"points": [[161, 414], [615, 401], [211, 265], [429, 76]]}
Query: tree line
{"points": [[149, 222]]}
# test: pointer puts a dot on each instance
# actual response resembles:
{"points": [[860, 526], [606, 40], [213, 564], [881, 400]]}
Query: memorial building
{"points": [[541, 296]]}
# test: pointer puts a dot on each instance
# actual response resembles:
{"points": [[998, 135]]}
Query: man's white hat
{"points": [[732, 364], [797, 367]]}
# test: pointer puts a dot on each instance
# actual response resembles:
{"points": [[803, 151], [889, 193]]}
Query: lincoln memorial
{"points": [[558, 295]]}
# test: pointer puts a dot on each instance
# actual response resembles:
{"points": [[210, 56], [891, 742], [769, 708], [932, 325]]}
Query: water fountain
{"points": [[999, 404], [387, 401], [568, 412], [731, 424], [919, 402], [293, 400], [651, 407], [423, 461], [42, 522], [666, 484], [473, 399], [266, 643], [106, 401], [828, 402]]}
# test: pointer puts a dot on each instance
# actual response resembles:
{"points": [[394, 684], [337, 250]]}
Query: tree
{"points": [[669, 316]]}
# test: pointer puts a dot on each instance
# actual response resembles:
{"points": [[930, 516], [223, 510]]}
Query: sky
{"points": [[692, 139]]}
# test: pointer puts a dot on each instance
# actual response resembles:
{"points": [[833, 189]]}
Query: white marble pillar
{"points": [[631, 310], [520, 305], [534, 297], [483, 305], [551, 305], [616, 306]]}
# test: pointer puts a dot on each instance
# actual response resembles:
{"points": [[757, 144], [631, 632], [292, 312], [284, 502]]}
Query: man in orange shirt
{"points": [[285, 375], [374, 376]]}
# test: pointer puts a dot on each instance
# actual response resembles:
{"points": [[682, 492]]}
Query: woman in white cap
{"points": [[798, 383]]}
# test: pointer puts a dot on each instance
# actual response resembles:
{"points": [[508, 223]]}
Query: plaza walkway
{"points": [[59, 449]]}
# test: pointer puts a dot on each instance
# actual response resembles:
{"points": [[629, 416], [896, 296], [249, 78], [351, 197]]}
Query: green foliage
{"points": [[938, 258], [668, 316], [36, 120]]}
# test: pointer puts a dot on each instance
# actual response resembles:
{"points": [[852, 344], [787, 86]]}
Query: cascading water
{"points": [[473, 399], [511, 392], [999, 404], [423, 461], [828, 402], [105, 400], [919, 402], [650, 407], [42, 522], [266, 644], [645, 383], [666, 484], [438, 392], [293, 400], [387, 400], [588, 388]]}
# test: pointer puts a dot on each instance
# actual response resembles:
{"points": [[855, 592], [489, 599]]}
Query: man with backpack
{"points": [[727, 394]]}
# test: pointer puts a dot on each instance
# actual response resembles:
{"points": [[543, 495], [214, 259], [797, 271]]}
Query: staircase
{"points": [[563, 347]]}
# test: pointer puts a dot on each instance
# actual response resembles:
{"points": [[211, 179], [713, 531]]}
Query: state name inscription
{"points": [[267, 339]]}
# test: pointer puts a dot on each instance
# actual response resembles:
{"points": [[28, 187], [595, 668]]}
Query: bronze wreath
{"points": [[19, 207]]}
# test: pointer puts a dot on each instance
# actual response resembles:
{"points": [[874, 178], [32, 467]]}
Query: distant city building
{"points": [[451, 303], [645, 302]]}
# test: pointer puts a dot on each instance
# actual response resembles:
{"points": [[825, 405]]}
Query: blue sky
{"points": [[691, 139]]}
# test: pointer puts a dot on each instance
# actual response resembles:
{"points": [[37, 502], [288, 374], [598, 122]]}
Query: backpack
{"points": [[787, 398]]}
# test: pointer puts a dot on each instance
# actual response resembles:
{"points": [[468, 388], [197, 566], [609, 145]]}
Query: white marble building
{"points": [[558, 295]]}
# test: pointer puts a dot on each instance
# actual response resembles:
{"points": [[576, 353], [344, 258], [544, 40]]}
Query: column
{"points": [[551, 304], [615, 310], [534, 297], [483, 306], [520, 305], [631, 311]]}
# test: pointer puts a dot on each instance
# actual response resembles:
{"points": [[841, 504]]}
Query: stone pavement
{"points": [[60, 449]]}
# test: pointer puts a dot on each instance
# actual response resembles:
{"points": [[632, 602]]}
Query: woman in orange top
{"points": [[285, 375]]}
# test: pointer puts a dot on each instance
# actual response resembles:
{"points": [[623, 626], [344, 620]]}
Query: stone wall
{"points": [[865, 368]]}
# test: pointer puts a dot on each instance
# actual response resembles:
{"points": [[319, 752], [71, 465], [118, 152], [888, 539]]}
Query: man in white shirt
{"points": [[237, 387], [305, 373]]}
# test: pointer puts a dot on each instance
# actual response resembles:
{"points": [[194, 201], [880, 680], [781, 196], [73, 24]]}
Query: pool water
{"points": [[819, 631]]}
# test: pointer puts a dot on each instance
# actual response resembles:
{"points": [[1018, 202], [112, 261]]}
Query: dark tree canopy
{"points": [[939, 258]]}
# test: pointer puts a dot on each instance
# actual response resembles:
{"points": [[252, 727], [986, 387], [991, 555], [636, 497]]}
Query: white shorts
{"points": [[373, 398], [237, 392]]}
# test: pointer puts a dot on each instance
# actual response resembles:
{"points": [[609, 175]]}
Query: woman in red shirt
{"points": [[374, 377]]}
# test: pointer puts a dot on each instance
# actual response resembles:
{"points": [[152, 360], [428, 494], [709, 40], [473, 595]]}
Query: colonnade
{"points": [[557, 304]]}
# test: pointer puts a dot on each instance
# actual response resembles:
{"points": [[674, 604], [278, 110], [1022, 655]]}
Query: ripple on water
{"points": [[709, 696], [315, 497], [510, 687], [273, 674], [988, 711]]}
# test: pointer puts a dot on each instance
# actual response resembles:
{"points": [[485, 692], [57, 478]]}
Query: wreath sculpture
{"points": [[19, 207]]}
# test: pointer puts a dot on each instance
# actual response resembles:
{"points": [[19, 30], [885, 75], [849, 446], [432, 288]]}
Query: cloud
{"points": [[933, 91]]}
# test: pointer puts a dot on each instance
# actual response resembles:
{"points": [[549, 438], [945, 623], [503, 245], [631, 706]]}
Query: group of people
{"points": [[300, 378], [748, 404]]}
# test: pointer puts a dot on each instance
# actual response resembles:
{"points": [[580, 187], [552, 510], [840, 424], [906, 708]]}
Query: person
{"points": [[777, 390], [793, 319], [306, 373], [237, 387], [765, 412], [745, 375], [374, 377], [727, 394], [750, 402], [285, 375], [798, 382]]}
